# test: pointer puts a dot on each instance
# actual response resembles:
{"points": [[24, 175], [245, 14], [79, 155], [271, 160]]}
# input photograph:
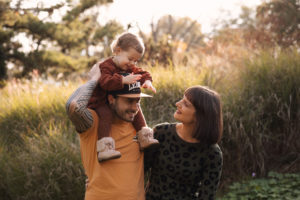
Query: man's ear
{"points": [[110, 99]]}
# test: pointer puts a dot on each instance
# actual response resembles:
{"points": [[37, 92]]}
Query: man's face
{"points": [[125, 108]]}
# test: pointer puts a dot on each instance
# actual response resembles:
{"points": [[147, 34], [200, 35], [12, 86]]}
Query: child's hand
{"points": [[131, 78], [148, 85]]}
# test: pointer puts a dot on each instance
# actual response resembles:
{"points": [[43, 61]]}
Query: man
{"points": [[121, 178]]}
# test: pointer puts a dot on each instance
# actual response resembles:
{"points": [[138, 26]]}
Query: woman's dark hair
{"points": [[209, 120]]}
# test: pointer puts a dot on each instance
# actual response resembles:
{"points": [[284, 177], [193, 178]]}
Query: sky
{"points": [[142, 12]]}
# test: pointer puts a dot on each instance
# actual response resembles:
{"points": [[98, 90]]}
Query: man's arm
{"points": [[76, 105]]}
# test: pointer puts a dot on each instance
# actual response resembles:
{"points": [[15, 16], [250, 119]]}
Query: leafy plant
{"points": [[274, 186]]}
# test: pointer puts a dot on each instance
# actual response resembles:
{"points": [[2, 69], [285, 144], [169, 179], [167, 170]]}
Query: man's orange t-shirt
{"points": [[121, 178]]}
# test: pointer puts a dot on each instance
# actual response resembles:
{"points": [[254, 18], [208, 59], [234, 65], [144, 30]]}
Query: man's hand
{"points": [[131, 78], [94, 73], [148, 85]]}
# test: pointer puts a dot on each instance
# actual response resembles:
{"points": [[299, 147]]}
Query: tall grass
{"points": [[262, 117], [32, 108], [170, 84], [39, 149], [45, 167]]}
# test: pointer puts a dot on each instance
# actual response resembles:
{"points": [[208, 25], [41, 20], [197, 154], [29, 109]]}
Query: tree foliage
{"points": [[62, 46], [280, 20], [169, 35], [180, 29], [272, 23]]}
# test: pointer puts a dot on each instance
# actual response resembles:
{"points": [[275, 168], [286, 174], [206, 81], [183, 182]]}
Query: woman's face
{"points": [[185, 112]]}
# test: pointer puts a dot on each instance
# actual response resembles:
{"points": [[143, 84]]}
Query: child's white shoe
{"points": [[145, 138], [106, 149]]}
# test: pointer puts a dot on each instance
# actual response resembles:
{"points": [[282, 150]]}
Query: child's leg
{"points": [[105, 120], [144, 133], [105, 144], [139, 120]]}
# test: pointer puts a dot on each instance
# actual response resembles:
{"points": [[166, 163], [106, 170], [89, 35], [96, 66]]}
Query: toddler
{"points": [[127, 50]]}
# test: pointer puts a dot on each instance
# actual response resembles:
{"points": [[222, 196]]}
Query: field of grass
{"points": [[39, 149]]}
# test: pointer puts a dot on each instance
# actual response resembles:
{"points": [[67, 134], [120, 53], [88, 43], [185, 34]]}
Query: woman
{"points": [[188, 163]]}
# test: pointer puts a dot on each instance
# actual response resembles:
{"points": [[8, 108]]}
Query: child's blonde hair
{"points": [[128, 40]]}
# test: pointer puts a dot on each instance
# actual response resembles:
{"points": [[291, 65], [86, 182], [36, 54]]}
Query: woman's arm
{"points": [[76, 105], [150, 154], [212, 175]]}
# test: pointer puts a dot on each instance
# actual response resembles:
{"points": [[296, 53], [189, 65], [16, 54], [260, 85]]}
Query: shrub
{"points": [[262, 117], [39, 150], [32, 108], [275, 186], [45, 167]]}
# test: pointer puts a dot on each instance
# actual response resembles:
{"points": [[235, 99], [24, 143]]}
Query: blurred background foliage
{"points": [[39, 148], [78, 40], [252, 61]]}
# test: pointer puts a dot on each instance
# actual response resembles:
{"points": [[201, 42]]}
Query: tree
{"points": [[169, 35], [179, 29], [57, 46], [281, 19], [274, 22]]}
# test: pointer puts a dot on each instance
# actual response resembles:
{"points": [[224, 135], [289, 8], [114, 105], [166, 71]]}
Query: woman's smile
{"points": [[178, 112]]}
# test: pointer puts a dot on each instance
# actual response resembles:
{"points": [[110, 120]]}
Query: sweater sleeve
{"points": [[212, 174], [110, 80], [150, 153], [145, 75]]}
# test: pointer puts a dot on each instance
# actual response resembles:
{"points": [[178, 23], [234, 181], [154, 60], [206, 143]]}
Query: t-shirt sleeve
{"points": [[212, 174]]}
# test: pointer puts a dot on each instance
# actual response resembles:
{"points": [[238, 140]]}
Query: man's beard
{"points": [[122, 115]]}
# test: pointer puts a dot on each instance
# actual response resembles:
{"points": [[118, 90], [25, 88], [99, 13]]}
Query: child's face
{"points": [[126, 59]]}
